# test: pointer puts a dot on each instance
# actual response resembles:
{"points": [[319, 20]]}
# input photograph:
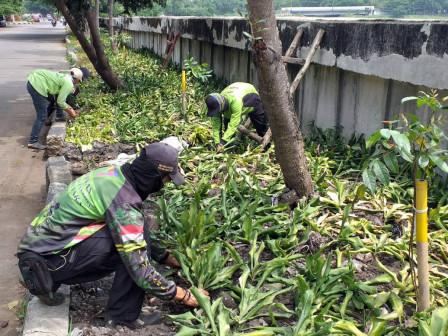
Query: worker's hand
{"points": [[171, 261], [71, 112], [187, 298]]}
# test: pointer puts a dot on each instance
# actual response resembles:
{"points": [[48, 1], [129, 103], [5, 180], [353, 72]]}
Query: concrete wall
{"points": [[359, 74]]}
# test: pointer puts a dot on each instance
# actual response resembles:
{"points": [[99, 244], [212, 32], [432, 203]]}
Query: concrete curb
{"points": [[15, 23], [55, 138], [41, 319], [45, 320]]}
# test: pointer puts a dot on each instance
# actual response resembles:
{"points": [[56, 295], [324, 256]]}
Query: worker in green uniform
{"points": [[95, 227], [227, 108]]}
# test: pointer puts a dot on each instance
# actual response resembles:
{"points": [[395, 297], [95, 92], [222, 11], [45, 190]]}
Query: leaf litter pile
{"points": [[335, 263]]}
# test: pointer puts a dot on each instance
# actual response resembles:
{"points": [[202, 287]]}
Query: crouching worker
{"points": [[95, 227], [226, 109]]}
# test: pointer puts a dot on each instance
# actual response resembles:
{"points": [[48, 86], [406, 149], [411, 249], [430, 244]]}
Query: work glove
{"points": [[186, 297], [171, 261]]}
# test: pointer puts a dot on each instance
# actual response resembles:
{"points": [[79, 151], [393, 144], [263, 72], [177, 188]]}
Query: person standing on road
{"points": [[95, 227], [226, 109], [41, 84]]}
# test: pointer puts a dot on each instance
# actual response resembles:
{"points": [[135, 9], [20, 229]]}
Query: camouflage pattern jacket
{"points": [[100, 198]]}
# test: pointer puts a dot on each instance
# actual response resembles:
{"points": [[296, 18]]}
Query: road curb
{"points": [[41, 319], [17, 23]]}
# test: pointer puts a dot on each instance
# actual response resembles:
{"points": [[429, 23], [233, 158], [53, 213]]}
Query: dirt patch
{"points": [[89, 301], [81, 163]]}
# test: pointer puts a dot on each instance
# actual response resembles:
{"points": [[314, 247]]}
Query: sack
{"points": [[35, 273]]}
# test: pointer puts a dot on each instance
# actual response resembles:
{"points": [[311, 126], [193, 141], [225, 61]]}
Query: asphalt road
{"points": [[23, 48]]}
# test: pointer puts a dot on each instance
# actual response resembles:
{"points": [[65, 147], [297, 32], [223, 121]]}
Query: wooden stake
{"points": [[246, 125], [302, 71], [267, 138], [293, 60], [250, 134], [294, 43]]}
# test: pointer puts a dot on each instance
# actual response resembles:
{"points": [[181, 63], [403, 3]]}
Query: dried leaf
{"points": [[12, 304]]}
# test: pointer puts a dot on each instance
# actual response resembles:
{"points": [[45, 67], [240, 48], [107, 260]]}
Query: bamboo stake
{"points": [[421, 221], [305, 67]]}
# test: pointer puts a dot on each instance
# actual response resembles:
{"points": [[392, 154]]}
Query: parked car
{"points": [[36, 18], [2, 21], [49, 17]]}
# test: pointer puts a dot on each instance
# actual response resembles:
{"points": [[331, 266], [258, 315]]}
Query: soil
{"points": [[89, 300]]}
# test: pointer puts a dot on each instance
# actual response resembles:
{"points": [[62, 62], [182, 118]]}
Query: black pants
{"points": [[257, 116], [93, 259]]}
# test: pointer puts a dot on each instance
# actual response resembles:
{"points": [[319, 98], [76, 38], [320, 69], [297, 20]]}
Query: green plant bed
{"points": [[337, 263]]}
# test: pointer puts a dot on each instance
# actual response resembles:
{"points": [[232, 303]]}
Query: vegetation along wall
{"points": [[359, 74]]}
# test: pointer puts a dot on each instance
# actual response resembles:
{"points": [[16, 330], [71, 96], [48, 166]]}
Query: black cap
{"points": [[214, 102], [85, 73], [165, 158]]}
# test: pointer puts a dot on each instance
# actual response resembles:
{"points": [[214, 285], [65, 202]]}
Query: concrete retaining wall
{"points": [[359, 74]]}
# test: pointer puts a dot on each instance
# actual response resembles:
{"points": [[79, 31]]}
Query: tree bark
{"points": [[274, 92], [95, 51]]}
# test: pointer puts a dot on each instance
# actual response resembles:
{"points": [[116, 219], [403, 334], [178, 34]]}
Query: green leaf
{"points": [[247, 35], [381, 172], [360, 191], [346, 327], [390, 159], [439, 162], [373, 139], [401, 140], [369, 180], [424, 329], [423, 161], [405, 99], [187, 331], [439, 321], [386, 133], [348, 297], [305, 314], [204, 303], [378, 327]]}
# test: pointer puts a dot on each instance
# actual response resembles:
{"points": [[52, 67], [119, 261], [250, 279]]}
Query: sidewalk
{"points": [[22, 182]]}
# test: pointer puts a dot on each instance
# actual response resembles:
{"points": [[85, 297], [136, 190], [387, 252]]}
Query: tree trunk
{"points": [[274, 92], [113, 44], [95, 51]]}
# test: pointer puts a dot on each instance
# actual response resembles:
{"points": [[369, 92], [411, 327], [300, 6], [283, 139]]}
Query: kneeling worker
{"points": [[95, 227], [227, 107]]}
